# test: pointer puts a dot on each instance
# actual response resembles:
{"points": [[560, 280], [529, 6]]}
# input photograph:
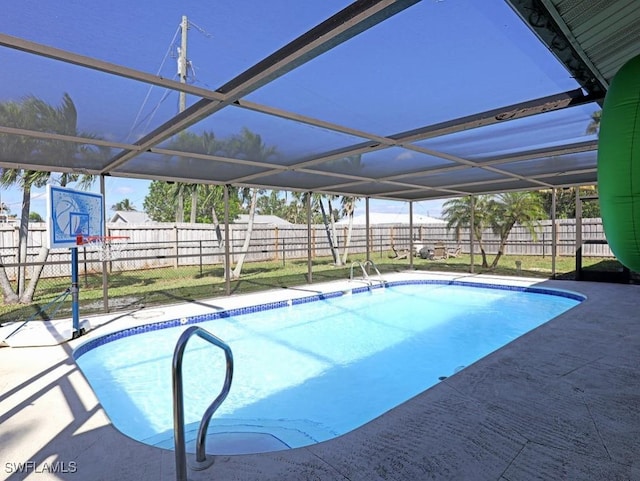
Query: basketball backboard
{"points": [[71, 213]]}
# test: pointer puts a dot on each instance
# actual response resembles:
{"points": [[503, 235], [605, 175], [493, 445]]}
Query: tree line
{"points": [[174, 201], [204, 203]]}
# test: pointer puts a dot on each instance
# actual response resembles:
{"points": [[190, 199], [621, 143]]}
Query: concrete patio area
{"points": [[561, 402]]}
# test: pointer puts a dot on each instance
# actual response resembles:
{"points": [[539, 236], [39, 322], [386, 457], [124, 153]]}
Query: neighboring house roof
{"points": [[262, 219], [382, 218], [9, 219], [130, 217]]}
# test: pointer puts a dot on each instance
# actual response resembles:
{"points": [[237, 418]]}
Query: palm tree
{"points": [[352, 164], [524, 208], [457, 212], [26, 180], [123, 205], [18, 115], [248, 145], [317, 203], [594, 124], [500, 213], [294, 210], [297, 211], [566, 202], [178, 192], [252, 195], [205, 143], [348, 205], [272, 204], [318, 216], [34, 114], [331, 228], [213, 195]]}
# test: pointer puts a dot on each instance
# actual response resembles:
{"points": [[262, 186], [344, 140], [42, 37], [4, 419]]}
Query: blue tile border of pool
{"points": [[132, 331]]}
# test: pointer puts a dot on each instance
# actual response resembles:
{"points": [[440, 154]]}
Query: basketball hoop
{"points": [[108, 248]]}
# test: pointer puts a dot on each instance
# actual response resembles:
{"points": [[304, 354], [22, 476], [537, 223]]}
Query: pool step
{"points": [[246, 436]]}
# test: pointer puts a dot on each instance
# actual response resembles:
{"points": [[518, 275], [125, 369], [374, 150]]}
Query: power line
{"points": [[144, 102], [170, 53], [200, 29], [151, 114]]}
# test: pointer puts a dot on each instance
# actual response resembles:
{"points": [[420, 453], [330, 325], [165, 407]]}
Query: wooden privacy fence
{"points": [[521, 242], [171, 245]]}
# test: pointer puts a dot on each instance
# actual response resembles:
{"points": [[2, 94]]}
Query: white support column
{"points": [[105, 274], [227, 256], [410, 234], [471, 229], [367, 237], [554, 234], [578, 246], [309, 263]]}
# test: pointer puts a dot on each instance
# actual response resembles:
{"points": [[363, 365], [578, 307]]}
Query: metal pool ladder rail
{"points": [[365, 276], [178, 402]]}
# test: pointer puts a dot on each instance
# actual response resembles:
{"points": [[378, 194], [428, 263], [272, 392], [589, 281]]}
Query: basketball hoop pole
{"points": [[72, 217], [75, 304]]}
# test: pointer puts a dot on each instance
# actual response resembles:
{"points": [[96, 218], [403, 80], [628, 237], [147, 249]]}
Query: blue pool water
{"points": [[312, 371]]}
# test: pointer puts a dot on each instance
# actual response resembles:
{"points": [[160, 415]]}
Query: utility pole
{"points": [[182, 105], [182, 61]]}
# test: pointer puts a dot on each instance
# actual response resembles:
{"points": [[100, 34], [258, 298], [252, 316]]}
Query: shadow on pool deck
{"points": [[561, 402]]}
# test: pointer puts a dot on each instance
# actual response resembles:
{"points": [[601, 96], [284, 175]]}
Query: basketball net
{"points": [[109, 248]]}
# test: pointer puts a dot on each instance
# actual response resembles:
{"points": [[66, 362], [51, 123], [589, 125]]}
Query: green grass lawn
{"points": [[133, 289]]}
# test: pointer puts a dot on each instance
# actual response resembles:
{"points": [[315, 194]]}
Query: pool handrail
{"points": [[178, 401], [365, 275], [375, 268]]}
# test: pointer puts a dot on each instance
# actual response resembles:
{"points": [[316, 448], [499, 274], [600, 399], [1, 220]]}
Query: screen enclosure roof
{"points": [[405, 100]]}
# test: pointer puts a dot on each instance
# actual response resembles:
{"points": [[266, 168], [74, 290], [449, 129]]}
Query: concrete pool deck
{"points": [[561, 402]]}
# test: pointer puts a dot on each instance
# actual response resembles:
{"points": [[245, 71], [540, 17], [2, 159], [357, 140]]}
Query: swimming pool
{"points": [[310, 369]]}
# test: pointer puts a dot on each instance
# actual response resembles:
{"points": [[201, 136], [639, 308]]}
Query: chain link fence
{"points": [[169, 263]]}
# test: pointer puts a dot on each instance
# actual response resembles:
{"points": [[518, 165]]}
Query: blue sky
{"points": [[135, 190], [475, 55]]}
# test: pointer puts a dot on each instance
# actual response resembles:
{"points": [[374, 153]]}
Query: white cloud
{"points": [[38, 196], [431, 208], [124, 190], [405, 156]]}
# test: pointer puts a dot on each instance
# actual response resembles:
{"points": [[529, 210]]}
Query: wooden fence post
{"points": [[176, 247]]}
